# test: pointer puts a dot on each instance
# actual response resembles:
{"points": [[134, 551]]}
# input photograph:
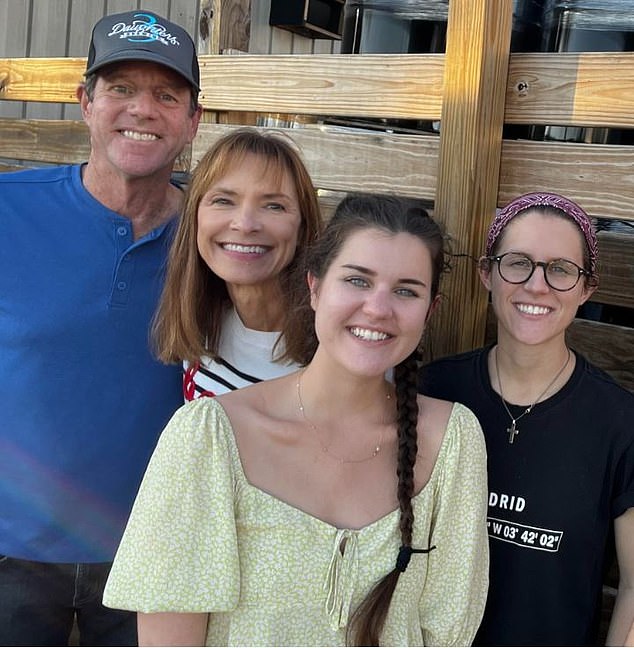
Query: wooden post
{"points": [[476, 67], [224, 28]]}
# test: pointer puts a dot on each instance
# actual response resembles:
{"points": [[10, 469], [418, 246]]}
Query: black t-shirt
{"points": [[553, 497]]}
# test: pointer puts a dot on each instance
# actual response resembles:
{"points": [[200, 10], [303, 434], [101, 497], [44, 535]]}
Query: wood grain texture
{"points": [[584, 89], [340, 160], [235, 23], [608, 346], [563, 89], [478, 41], [54, 142], [38, 79], [599, 177], [372, 85], [50, 141], [9, 167], [616, 270]]}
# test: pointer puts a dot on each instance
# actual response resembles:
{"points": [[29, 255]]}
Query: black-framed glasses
{"points": [[517, 268]]}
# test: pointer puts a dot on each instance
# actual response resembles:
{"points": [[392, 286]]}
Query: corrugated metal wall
{"points": [[272, 40]]}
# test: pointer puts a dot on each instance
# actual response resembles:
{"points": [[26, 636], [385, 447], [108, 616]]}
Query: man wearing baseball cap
{"points": [[82, 399]]}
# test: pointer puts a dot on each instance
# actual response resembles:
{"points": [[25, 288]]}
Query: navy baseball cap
{"points": [[143, 36]]}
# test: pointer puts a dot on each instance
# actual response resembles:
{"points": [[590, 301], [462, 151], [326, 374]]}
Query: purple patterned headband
{"points": [[544, 199]]}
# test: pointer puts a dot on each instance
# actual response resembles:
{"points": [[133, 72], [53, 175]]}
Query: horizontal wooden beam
{"points": [[38, 140], [41, 79], [582, 89], [54, 141], [598, 176], [608, 346], [616, 268], [9, 167], [341, 160], [371, 85]]}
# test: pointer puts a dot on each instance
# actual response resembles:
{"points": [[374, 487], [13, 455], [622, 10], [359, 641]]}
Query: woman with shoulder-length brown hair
{"points": [[250, 210]]}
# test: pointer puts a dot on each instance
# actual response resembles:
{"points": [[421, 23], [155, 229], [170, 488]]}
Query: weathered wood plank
{"points": [[53, 141], [408, 86], [41, 79], [50, 141], [328, 201], [586, 89], [372, 85], [400, 164], [339, 160], [598, 176], [478, 41], [608, 346], [207, 38], [235, 23], [594, 89], [616, 269], [9, 167]]}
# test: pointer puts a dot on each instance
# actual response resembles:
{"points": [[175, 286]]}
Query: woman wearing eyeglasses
{"points": [[559, 434]]}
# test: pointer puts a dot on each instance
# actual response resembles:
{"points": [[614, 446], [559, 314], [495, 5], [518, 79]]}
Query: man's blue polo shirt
{"points": [[82, 401]]}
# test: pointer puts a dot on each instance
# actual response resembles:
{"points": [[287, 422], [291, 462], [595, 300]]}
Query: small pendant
{"points": [[513, 431]]}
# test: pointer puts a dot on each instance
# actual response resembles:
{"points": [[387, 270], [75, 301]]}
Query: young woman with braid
{"points": [[329, 506]]}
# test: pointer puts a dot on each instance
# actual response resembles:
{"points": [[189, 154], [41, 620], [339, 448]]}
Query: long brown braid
{"points": [[369, 618], [393, 215]]}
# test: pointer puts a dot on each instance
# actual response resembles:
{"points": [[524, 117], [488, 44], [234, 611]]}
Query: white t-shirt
{"points": [[245, 357]]}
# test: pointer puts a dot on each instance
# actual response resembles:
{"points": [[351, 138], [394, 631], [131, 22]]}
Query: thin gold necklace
{"points": [[324, 448], [512, 430]]}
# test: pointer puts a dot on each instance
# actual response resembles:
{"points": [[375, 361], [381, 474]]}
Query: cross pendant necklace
{"points": [[512, 430]]}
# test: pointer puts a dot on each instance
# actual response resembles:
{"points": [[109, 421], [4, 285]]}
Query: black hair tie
{"points": [[405, 554]]}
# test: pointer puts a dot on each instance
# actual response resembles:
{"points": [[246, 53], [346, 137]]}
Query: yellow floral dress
{"points": [[202, 539]]}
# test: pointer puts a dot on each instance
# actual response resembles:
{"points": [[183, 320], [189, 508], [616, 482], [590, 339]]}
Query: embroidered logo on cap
{"points": [[144, 29]]}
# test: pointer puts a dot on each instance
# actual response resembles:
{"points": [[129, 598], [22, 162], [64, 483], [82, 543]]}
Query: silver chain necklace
{"points": [[325, 448], [512, 430]]}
